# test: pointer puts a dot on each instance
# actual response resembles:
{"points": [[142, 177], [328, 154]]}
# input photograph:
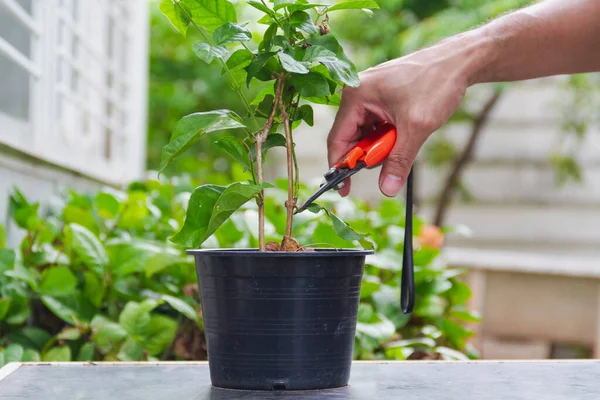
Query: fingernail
{"points": [[391, 185]]}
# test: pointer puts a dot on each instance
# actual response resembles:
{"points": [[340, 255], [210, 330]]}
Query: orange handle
{"points": [[372, 149]]}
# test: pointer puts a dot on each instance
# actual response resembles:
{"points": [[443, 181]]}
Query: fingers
{"points": [[397, 166], [346, 127]]}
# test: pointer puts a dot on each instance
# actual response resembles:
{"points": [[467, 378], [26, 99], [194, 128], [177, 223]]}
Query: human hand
{"points": [[417, 93]]}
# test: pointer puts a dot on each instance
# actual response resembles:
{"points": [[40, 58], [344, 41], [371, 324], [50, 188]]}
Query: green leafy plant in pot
{"points": [[282, 316]]}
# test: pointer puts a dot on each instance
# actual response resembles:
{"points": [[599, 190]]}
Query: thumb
{"points": [[396, 168]]}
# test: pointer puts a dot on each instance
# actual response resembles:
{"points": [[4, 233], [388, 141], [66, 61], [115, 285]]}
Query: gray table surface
{"points": [[481, 380]]}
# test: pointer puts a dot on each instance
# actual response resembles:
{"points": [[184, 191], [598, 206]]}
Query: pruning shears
{"points": [[369, 152]]}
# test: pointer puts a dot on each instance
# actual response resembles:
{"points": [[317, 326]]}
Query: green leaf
{"points": [[311, 84], [231, 33], [333, 100], [176, 15], [2, 236], [69, 333], [80, 216], [7, 260], [58, 281], [86, 352], [210, 14], [106, 333], [303, 21], [94, 289], [365, 312], [135, 316], [305, 113], [4, 307], [183, 307], [379, 328], [239, 59], [341, 70], [353, 5], [260, 6], [208, 53], [30, 337], [160, 333], [87, 246], [30, 355], [451, 354], [58, 354], [24, 214], [234, 147], [107, 205], [73, 309], [269, 90], [131, 350], [341, 228], [257, 65], [13, 353], [301, 7], [370, 285], [291, 65], [429, 306], [283, 3], [208, 207], [267, 42], [28, 275], [191, 127]]}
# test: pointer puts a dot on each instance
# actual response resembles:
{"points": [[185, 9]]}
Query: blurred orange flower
{"points": [[431, 236]]}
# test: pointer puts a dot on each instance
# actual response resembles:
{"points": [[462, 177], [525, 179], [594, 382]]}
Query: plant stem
{"points": [[236, 87], [290, 204], [260, 139], [297, 169]]}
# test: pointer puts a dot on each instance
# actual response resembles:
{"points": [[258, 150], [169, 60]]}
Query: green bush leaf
{"points": [[160, 332], [306, 113], [183, 307], [341, 228], [4, 307], [30, 337], [69, 333], [22, 212], [178, 18], [231, 33], [28, 275], [2, 236], [311, 84], [208, 207], [191, 127], [86, 352], [234, 147], [208, 53], [356, 5], [379, 328], [87, 246], [239, 59], [257, 65], [131, 350], [107, 205], [13, 353], [58, 354], [106, 333], [291, 65], [210, 14], [370, 285], [58, 281], [139, 255], [341, 70], [72, 309], [135, 316], [302, 7], [303, 21], [7, 260], [94, 289], [30, 355], [283, 3], [260, 6]]}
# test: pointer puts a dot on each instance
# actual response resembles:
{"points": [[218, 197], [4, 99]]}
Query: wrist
{"points": [[480, 51]]}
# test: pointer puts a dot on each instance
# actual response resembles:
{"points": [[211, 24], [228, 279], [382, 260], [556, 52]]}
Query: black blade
{"points": [[333, 181]]}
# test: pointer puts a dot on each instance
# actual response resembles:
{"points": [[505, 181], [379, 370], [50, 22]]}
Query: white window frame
{"points": [[47, 135]]}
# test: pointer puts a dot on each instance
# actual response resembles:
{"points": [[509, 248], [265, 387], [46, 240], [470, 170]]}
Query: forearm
{"points": [[549, 38]]}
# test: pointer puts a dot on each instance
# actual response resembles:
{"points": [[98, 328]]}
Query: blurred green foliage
{"points": [[95, 277]]}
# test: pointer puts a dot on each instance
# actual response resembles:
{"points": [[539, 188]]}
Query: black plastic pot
{"points": [[279, 320]]}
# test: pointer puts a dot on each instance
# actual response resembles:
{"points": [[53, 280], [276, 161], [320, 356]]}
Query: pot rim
{"points": [[255, 253]]}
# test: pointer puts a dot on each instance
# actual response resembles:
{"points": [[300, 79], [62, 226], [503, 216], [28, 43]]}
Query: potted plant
{"points": [[282, 316]]}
